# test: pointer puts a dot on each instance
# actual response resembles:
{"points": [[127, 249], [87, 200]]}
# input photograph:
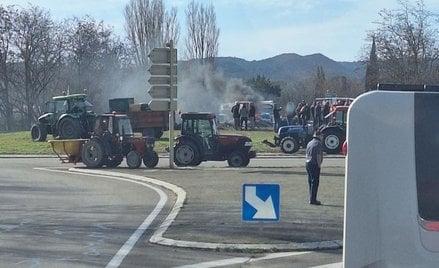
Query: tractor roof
{"points": [[70, 97], [193, 115]]}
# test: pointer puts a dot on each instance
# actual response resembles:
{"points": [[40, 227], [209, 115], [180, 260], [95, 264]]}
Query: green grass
{"points": [[21, 142]]}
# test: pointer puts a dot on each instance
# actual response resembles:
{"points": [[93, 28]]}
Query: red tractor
{"points": [[200, 141], [112, 140]]}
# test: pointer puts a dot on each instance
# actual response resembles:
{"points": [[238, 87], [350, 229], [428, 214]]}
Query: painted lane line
{"points": [[157, 237], [241, 260], [132, 240]]}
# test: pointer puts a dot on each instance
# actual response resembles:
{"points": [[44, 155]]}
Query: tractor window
{"points": [[204, 128], [124, 126], [60, 106], [340, 118]]}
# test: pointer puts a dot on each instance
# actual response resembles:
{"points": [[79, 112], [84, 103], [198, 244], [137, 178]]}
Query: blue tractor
{"points": [[291, 138]]}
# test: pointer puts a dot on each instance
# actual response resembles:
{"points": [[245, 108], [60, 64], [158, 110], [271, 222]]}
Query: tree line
{"points": [[40, 57]]}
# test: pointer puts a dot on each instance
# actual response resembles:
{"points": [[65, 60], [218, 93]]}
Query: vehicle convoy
{"points": [[291, 138], [111, 142], [67, 117], [200, 141], [143, 119]]}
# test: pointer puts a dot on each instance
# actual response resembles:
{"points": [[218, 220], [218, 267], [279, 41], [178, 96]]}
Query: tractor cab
{"points": [[201, 127], [115, 124]]}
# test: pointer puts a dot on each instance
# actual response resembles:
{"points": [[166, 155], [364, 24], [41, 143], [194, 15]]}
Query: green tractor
{"points": [[67, 117]]}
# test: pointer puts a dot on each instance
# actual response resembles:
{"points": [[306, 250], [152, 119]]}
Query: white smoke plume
{"points": [[201, 88]]}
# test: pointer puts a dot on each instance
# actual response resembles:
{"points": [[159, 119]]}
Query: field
{"points": [[21, 143]]}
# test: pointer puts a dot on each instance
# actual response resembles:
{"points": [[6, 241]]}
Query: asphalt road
{"points": [[53, 217]]}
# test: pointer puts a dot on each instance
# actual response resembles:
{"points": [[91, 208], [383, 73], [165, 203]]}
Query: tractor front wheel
{"points": [[238, 159], [289, 145], [133, 159]]}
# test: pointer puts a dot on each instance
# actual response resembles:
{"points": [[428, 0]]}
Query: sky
{"points": [[259, 29]]}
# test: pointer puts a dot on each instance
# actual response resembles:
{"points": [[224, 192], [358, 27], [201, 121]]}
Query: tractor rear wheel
{"points": [[133, 159], [332, 141], [186, 154], [93, 154], [70, 128], [289, 145], [150, 159], [38, 132]]}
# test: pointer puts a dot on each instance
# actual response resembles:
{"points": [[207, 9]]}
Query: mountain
{"points": [[289, 67]]}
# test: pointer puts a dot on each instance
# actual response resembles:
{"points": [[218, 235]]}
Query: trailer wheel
{"points": [[151, 159], [38, 132], [237, 159], [289, 145], [186, 154], [133, 159], [93, 154], [70, 128]]}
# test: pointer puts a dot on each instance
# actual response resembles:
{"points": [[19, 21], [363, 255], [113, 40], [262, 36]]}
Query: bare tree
{"points": [[203, 33], [148, 25], [39, 47], [406, 41], [6, 30], [96, 60], [372, 68]]}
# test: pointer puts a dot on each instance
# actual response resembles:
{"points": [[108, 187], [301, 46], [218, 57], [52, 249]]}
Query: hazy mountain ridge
{"points": [[289, 67]]}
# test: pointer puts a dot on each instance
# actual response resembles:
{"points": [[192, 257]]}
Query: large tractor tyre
{"points": [[93, 154], [186, 154], [38, 132], [70, 128], [332, 141], [289, 145], [150, 159], [133, 159], [114, 162], [238, 159]]}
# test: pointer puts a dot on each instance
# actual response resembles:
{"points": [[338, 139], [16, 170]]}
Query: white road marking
{"points": [[129, 244], [240, 260]]}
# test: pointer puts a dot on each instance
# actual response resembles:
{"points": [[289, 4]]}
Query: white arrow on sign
{"points": [[265, 209], [162, 91]]}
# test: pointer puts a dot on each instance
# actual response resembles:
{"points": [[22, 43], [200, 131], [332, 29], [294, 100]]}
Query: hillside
{"points": [[289, 67]]}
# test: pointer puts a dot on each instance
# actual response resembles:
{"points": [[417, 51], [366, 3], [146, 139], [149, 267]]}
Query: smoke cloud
{"points": [[201, 88]]}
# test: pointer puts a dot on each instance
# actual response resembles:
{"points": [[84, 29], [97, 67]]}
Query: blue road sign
{"points": [[260, 202]]}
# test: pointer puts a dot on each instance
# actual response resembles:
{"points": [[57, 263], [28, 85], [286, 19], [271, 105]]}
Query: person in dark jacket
{"points": [[276, 117], [235, 112], [314, 158]]}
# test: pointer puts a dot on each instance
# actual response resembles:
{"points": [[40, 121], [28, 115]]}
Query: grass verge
{"points": [[21, 143]]}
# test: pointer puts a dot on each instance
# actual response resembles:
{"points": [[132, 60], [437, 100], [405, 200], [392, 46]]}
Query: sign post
{"points": [[163, 88]]}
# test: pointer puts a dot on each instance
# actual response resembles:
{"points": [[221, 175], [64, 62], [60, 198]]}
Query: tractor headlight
{"points": [[248, 144]]}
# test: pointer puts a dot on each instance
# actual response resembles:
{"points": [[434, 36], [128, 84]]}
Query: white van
{"points": [[392, 179]]}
